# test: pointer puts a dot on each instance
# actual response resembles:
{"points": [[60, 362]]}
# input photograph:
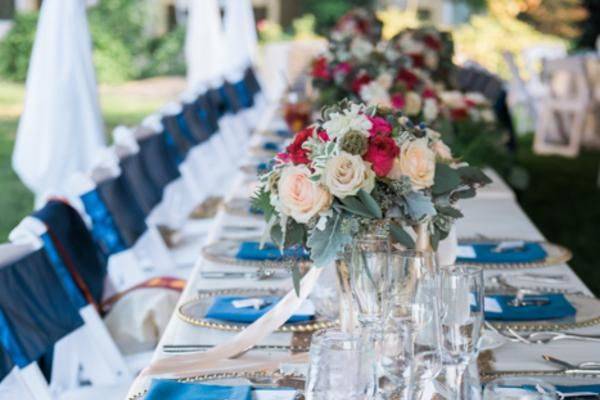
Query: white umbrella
{"points": [[240, 33], [204, 43], [61, 127]]}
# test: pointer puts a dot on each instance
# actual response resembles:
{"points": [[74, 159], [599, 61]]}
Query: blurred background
{"points": [[138, 48]]}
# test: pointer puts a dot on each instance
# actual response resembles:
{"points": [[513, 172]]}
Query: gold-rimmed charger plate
{"points": [[224, 252], [240, 207], [569, 378], [588, 314], [555, 255], [193, 312], [268, 378]]}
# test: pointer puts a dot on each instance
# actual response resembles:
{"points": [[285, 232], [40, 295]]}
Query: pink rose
{"points": [[381, 153], [398, 101], [300, 197]]}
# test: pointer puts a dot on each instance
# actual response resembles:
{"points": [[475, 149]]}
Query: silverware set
{"points": [[544, 337], [188, 348], [258, 275], [584, 368]]}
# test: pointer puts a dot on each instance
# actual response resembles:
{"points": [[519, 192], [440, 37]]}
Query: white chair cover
{"points": [[61, 127], [241, 40]]}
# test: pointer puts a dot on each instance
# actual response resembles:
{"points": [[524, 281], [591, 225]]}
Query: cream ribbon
{"points": [[217, 359]]}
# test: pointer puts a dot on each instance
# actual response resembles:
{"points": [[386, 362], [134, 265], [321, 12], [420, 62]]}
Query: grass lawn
{"points": [[563, 199], [125, 104]]}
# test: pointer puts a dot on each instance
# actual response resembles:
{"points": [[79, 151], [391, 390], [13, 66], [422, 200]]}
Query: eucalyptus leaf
{"points": [[450, 211], [402, 236], [327, 243], [296, 278], [446, 179], [419, 206], [473, 175], [370, 204], [355, 206]]}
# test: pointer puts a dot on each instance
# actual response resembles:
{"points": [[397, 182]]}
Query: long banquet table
{"points": [[493, 213]]}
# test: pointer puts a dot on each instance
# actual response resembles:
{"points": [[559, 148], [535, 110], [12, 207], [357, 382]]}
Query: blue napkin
{"points": [[262, 167], [223, 309], [531, 252], [578, 389], [283, 133], [271, 146], [163, 389], [270, 252], [558, 307]]}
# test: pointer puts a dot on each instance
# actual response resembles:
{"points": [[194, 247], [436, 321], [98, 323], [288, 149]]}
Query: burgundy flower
{"points": [[417, 59], [381, 154], [380, 126], [458, 114], [360, 80], [432, 42], [342, 68], [320, 69], [429, 93], [408, 78]]}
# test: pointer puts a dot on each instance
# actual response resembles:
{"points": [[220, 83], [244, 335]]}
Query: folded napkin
{"points": [[572, 390], [271, 146], [262, 167], [283, 133], [270, 252], [162, 389], [484, 253], [498, 308], [223, 309]]}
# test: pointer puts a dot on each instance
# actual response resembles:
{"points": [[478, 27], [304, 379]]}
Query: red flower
{"points": [[408, 78], [360, 80], [469, 102], [380, 126], [381, 153], [398, 101], [296, 153], [342, 68], [429, 93], [417, 59], [459, 114], [432, 42], [320, 69]]}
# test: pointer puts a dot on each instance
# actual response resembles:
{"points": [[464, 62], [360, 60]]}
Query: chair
{"points": [[45, 318], [564, 111]]}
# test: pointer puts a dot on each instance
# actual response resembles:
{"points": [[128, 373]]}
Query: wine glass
{"points": [[462, 319]]}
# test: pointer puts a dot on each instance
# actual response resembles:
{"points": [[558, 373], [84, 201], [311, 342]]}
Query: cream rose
{"points": [[413, 104], [300, 197], [430, 110], [396, 171], [417, 161], [442, 151], [345, 174]]}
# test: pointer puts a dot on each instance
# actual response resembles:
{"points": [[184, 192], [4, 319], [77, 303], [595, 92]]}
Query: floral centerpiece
{"points": [[359, 164], [358, 22]]}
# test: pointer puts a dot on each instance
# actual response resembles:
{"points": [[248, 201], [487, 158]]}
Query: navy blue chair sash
{"points": [[198, 127], [74, 244], [232, 98], [181, 137], [126, 212], [6, 363], [160, 164], [104, 229], [246, 98], [147, 194], [251, 82], [35, 309], [217, 101], [208, 115]]}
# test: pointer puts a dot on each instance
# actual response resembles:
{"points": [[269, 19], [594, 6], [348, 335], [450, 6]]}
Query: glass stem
{"points": [[460, 384]]}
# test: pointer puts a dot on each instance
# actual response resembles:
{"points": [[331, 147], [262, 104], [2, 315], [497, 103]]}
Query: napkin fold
{"points": [[578, 389], [223, 309], [271, 146], [484, 253], [558, 307], [162, 389], [270, 252]]}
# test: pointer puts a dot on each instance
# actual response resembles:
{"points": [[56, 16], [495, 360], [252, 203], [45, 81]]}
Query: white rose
{"points": [[385, 80], [350, 120], [430, 110], [431, 60], [442, 151], [396, 171], [476, 98], [361, 48], [453, 99], [345, 174], [417, 161], [488, 115], [374, 94], [299, 196], [413, 103]]}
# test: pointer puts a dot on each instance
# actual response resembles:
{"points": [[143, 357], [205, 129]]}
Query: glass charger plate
{"points": [[588, 314], [555, 254], [224, 252], [257, 379], [193, 312]]}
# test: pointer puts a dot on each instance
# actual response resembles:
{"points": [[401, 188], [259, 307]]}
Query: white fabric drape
{"points": [[204, 43], [61, 127], [240, 33]]}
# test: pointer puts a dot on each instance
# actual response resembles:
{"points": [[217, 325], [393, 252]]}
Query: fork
{"points": [[544, 337]]}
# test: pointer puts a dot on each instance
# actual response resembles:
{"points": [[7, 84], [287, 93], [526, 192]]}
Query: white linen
{"points": [[241, 39], [60, 129], [204, 47]]}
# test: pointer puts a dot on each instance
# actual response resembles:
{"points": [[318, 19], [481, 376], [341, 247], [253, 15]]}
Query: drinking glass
{"points": [[342, 366], [397, 358], [413, 291], [519, 389], [462, 319]]}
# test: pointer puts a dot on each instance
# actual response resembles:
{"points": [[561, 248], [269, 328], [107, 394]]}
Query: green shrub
{"points": [[166, 55], [16, 47]]}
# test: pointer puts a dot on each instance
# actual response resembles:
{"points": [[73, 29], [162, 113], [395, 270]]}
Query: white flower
{"points": [[411, 46], [345, 174], [476, 98], [431, 60], [351, 119], [453, 99], [361, 48], [413, 104], [430, 110], [442, 151], [299, 196], [373, 93], [488, 115], [417, 161], [385, 79]]}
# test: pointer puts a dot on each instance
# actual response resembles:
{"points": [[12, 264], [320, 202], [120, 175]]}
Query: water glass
{"points": [[519, 389], [462, 318], [342, 366], [413, 291], [397, 360]]}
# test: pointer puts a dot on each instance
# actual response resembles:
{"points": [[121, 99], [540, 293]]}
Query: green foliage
{"points": [[16, 47], [327, 12], [261, 201], [327, 243], [166, 56]]}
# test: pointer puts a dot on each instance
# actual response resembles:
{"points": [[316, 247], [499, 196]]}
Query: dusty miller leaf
{"points": [[326, 244]]}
